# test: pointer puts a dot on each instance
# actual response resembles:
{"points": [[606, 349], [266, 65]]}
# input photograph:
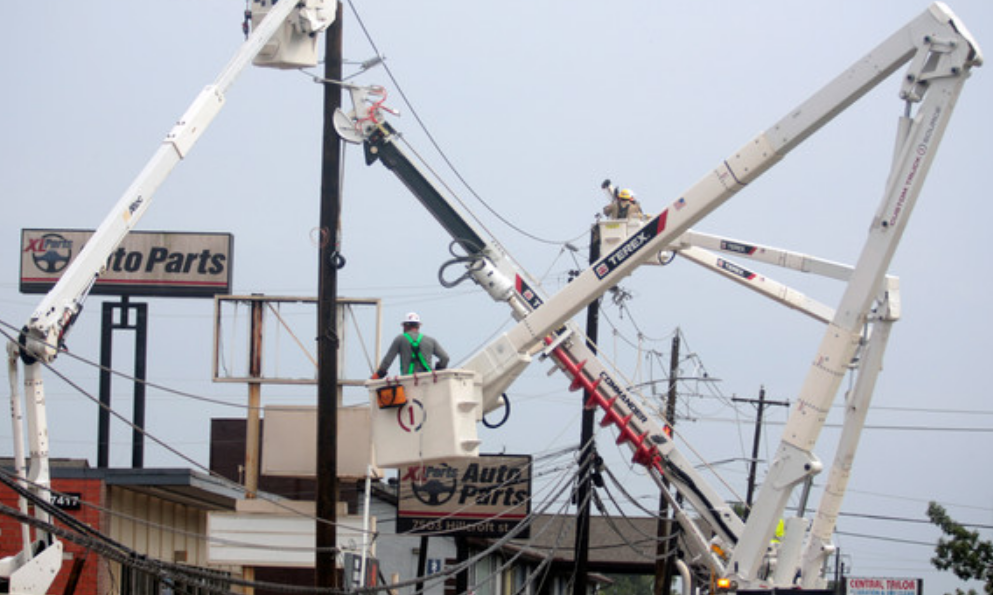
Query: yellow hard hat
{"points": [[625, 194]]}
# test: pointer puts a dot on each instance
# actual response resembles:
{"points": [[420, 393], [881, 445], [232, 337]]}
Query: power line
{"points": [[438, 148], [928, 428], [879, 517], [119, 374], [887, 539]]}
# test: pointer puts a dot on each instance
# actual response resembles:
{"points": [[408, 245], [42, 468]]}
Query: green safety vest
{"points": [[415, 347], [780, 532]]}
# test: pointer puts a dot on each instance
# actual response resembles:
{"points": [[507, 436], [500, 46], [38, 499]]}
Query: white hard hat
{"points": [[412, 318]]}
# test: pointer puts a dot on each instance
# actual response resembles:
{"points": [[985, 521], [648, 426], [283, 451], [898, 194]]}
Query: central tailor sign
{"points": [[884, 586]]}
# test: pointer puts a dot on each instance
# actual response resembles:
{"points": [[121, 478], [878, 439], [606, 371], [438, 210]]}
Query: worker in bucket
{"points": [[622, 205], [416, 350]]}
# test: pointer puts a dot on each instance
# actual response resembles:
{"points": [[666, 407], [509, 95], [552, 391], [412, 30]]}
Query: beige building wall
{"points": [[162, 529]]}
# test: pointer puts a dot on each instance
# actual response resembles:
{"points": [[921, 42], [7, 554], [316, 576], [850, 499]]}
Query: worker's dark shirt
{"points": [[401, 346]]}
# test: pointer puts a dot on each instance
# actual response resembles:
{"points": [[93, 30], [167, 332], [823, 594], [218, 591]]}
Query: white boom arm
{"points": [[941, 54], [818, 545], [33, 570], [787, 259], [759, 283], [810, 568], [50, 322], [704, 250]]}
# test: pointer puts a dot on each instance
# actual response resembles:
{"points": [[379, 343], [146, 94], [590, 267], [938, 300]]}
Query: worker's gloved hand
{"points": [[439, 367], [376, 376]]}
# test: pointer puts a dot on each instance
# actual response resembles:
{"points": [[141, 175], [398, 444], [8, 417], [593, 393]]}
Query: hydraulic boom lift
{"points": [[939, 54], [284, 36], [705, 250]]}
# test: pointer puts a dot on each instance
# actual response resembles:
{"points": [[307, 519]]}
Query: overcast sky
{"points": [[534, 104]]}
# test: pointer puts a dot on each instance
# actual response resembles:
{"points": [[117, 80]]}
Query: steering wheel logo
{"points": [[50, 253], [411, 416], [437, 490]]}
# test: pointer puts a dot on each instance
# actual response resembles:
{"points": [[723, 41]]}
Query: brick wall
{"points": [[90, 491]]}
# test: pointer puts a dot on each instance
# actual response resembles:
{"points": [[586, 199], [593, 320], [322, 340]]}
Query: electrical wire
{"points": [[127, 377], [636, 547], [727, 401], [437, 146], [93, 540], [561, 482], [7, 477], [214, 475], [104, 546]]}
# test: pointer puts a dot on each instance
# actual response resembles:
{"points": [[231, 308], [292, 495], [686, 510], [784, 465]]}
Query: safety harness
{"points": [[415, 348]]}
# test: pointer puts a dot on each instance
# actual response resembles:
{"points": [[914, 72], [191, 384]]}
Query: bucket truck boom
{"points": [[284, 36], [939, 54]]}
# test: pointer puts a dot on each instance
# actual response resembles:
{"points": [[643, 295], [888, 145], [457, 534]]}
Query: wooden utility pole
{"points": [[326, 575], [664, 550], [252, 428], [252, 432], [586, 448], [753, 464]]}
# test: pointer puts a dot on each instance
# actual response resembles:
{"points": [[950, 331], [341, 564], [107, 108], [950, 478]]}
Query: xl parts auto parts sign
{"points": [[146, 263], [486, 496]]}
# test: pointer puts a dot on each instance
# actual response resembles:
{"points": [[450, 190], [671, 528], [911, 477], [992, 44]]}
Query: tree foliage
{"points": [[630, 584], [961, 550]]}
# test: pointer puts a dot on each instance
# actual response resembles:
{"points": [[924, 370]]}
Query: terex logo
{"points": [[737, 247], [51, 252], [632, 245], [734, 269]]}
